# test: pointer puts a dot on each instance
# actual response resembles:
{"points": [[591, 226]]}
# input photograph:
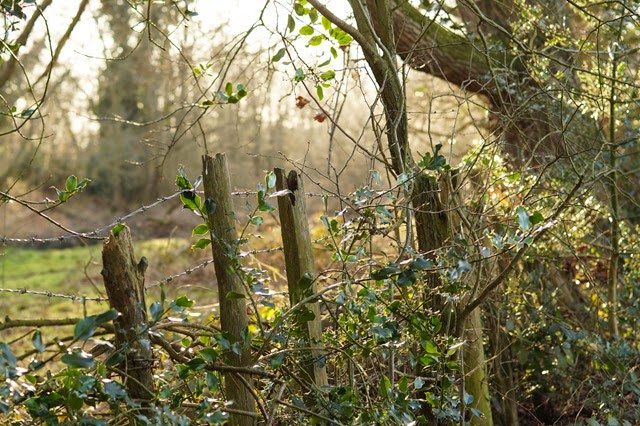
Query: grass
{"points": [[76, 272]]}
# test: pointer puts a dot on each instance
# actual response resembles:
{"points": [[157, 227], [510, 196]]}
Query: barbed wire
{"points": [[96, 232], [72, 297], [92, 234], [187, 271]]}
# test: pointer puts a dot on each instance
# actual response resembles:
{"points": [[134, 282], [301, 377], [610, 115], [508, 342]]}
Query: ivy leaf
{"points": [[210, 206], [85, 328], [523, 218], [156, 311], [536, 218], [201, 243], [78, 359], [107, 316], [114, 390], [201, 229], [183, 302], [209, 354], [37, 342]]}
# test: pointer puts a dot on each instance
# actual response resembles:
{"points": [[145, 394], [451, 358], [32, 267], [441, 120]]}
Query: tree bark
{"points": [[436, 220], [300, 268], [233, 312], [124, 282]]}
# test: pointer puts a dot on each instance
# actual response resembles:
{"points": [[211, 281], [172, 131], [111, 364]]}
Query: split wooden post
{"points": [[124, 281], [300, 269], [233, 312]]}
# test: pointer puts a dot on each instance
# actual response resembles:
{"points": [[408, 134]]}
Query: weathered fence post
{"points": [[233, 311], [300, 269], [124, 282]]}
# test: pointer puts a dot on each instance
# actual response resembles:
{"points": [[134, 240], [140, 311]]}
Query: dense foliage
{"points": [[497, 286]]}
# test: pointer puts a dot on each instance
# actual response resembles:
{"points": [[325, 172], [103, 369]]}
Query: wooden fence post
{"points": [[300, 269], [233, 312], [124, 282]]}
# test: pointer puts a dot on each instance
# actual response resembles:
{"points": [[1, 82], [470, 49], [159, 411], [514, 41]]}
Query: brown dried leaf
{"points": [[301, 102]]}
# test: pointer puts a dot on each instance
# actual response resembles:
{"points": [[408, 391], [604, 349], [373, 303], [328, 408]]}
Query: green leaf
{"points": [[183, 302], [418, 383], [63, 195], [107, 316], [256, 220], [406, 278], [114, 359], [37, 342], [196, 364], [345, 39], [228, 89], [430, 347], [291, 23], [85, 328], [210, 206], [7, 356], [385, 386], [536, 218], [270, 180], [116, 229], [201, 229], [325, 63], [421, 264], [313, 15], [156, 311], [78, 359], [115, 390], [83, 183], [385, 272], [190, 200], [209, 354], [201, 243], [299, 76], [232, 295], [316, 40], [304, 315], [334, 52], [299, 9], [71, 184], [523, 218], [307, 30], [468, 398], [328, 75], [326, 24], [181, 180], [320, 92]]}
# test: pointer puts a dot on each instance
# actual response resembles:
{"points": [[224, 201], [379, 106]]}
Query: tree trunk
{"points": [[435, 224]]}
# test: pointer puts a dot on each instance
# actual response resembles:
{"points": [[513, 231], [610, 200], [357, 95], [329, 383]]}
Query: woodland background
{"points": [[471, 176]]}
